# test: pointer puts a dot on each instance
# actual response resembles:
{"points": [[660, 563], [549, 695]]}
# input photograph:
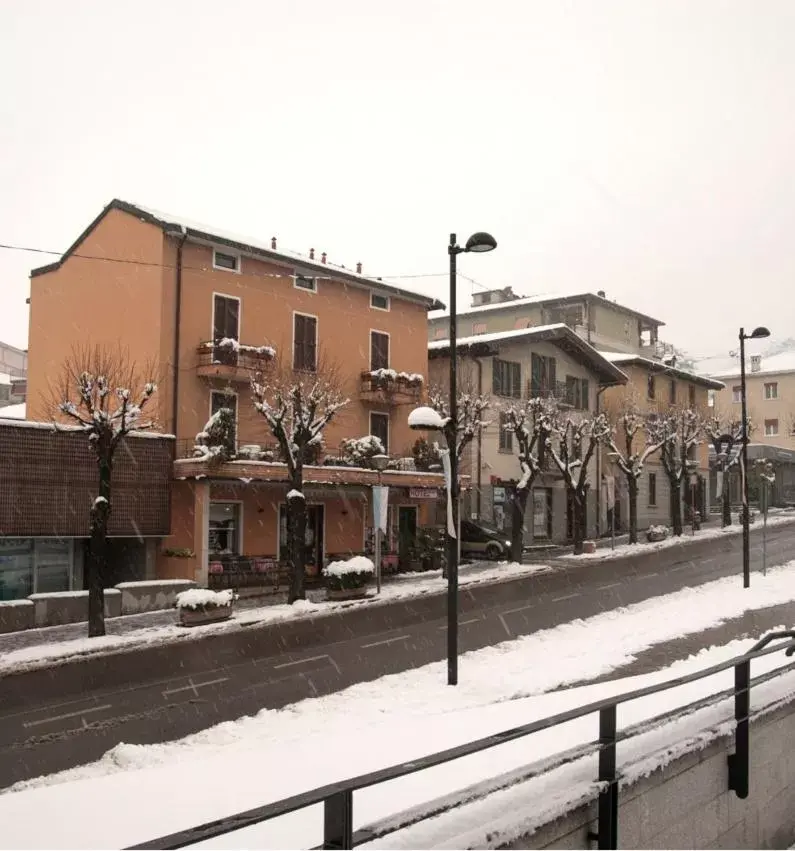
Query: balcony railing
{"points": [[390, 387], [565, 394], [231, 359]]}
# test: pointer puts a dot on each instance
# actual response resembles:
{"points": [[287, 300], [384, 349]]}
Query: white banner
{"points": [[448, 478], [610, 481], [719, 485], [380, 507]]}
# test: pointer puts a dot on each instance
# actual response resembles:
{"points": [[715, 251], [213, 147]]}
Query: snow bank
{"points": [[196, 598], [357, 564], [425, 417]]}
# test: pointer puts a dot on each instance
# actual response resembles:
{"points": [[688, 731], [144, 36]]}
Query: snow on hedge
{"points": [[425, 417], [357, 564], [198, 598]]}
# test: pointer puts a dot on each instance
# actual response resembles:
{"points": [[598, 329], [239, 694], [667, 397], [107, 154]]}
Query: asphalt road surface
{"points": [[49, 723]]}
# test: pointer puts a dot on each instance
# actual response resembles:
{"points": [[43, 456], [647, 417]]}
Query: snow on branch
{"points": [[530, 423], [576, 443], [470, 409], [677, 432], [631, 459]]}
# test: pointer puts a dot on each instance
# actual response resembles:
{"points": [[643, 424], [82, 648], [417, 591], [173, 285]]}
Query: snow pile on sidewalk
{"points": [[397, 718], [401, 587], [604, 553]]}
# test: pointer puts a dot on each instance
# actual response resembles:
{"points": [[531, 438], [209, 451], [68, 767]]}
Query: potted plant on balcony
{"points": [[358, 452], [426, 455], [198, 606], [412, 380], [348, 579], [382, 379], [215, 443]]}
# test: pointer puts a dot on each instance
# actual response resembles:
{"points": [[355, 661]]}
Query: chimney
{"points": [[601, 294], [358, 268], [273, 243], [323, 257], [311, 253], [756, 363]]}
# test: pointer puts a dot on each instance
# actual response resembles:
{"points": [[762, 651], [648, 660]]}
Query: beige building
{"points": [[602, 323], [511, 366], [770, 395]]}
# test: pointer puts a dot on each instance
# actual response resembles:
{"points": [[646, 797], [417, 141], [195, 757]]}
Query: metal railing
{"points": [[558, 391], [337, 798]]}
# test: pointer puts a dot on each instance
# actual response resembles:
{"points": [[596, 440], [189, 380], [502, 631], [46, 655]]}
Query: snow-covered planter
{"points": [[358, 452], [198, 606], [346, 580], [656, 533], [410, 379]]}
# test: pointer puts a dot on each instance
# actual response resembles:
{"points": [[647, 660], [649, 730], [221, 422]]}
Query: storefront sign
{"points": [[499, 495], [423, 493]]}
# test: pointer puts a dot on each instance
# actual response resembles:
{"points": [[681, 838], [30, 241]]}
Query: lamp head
{"points": [[481, 242], [380, 462], [759, 333]]}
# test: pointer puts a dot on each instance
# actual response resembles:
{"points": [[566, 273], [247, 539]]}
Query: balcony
{"points": [[387, 387], [566, 395], [231, 360]]}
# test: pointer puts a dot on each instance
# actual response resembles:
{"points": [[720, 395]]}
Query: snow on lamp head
{"points": [[426, 419]]}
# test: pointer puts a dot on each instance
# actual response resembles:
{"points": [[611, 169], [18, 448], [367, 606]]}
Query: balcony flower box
{"points": [[348, 579], [198, 606]]}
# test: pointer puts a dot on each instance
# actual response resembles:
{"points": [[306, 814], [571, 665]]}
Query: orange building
{"points": [[171, 291]]}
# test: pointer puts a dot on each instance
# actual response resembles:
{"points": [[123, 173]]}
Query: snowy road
{"points": [[41, 733]]}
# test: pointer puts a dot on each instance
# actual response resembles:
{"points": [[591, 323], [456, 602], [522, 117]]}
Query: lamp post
{"points": [[380, 463], [613, 456], [756, 334], [478, 243]]}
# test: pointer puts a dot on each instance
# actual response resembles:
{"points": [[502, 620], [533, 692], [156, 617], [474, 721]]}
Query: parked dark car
{"points": [[483, 540]]}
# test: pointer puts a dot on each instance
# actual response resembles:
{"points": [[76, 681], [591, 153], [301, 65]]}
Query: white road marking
{"points": [[301, 661], [565, 597], [385, 641], [66, 715], [511, 612], [611, 585], [194, 686], [463, 623]]}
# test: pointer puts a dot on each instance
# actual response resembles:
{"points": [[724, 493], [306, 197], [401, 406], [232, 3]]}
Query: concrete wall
{"points": [[62, 607], [153, 596], [688, 804]]}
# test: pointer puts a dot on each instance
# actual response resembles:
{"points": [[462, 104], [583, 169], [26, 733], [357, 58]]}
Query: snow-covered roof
{"points": [[627, 359], [13, 412], [557, 333], [783, 362], [170, 222], [544, 298]]}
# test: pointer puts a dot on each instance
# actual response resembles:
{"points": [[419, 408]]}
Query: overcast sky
{"points": [[644, 148]]}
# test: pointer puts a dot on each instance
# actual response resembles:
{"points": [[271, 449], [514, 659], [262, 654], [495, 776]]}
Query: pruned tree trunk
{"points": [[518, 507], [296, 541], [578, 522], [676, 507], [726, 500], [632, 488], [98, 553]]}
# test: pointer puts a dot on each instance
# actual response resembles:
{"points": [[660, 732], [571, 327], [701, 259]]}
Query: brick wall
{"points": [[49, 480]]}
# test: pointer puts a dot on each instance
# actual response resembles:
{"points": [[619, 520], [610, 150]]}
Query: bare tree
{"points": [[576, 443], [715, 428], [677, 432], [101, 391], [297, 408], [636, 447], [530, 423], [470, 409]]}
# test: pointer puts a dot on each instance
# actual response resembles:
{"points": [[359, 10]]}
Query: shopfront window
{"points": [[224, 528], [35, 566]]}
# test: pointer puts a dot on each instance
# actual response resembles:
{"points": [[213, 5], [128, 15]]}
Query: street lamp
{"points": [[756, 334], [478, 243], [380, 497]]}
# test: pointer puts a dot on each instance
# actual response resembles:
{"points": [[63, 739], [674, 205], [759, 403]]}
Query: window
{"points": [[506, 378], [379, 350], [226, 326], [506, 437], [737, 395], [304, 342], [225, 526], [304, 283], [479, 328], [771, 390], [439, 334], [651, 389], [230, 262], [543, 375], [379, 427], [652, 489], [771, 428], [379, 302], [673, 391], [577, 392], [691, 397]]}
